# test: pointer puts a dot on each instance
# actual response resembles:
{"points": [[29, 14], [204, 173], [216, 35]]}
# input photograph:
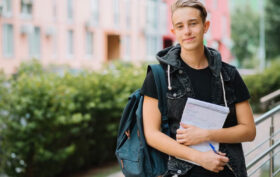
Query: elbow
{"points": [[252, 135]]}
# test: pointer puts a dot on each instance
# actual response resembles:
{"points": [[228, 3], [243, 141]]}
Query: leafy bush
{"points": [[54, 125], [263, 83]]}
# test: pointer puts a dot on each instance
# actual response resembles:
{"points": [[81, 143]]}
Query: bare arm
{"points": [[245, 130], [162, 142]]}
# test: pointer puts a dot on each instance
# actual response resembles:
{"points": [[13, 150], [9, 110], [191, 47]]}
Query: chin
{"points": [[189, 46]]}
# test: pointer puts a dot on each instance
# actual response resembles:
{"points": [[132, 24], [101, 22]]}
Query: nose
{"points": [[187, 30]]}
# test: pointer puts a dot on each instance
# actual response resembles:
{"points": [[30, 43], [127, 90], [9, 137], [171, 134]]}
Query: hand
{"points": [[191, 135], [212, 161]]}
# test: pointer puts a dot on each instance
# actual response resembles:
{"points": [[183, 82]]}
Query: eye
{"points": [[193, 24], [179, 26]]}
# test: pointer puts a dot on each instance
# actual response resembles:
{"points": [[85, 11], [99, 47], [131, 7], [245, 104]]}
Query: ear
{"points": [[172, 31], [206, 26]]}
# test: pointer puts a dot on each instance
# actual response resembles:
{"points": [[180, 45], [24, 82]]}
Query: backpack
{"points": [[135, 157]]}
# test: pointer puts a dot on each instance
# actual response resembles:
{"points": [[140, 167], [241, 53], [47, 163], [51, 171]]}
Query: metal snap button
{"points": [[174, 94], [188, 89], [180, 71], [179, 171]]}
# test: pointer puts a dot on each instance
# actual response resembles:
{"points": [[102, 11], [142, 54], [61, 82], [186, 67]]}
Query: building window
{"points": [[215, 4], [26, 8], [152, 46], [128, 13], [70, 10], [35, 43], [54, 10], [89, 43], [70, 42], [163, 21], [152, 14], [126, 47], [116, 13], [8, 40], [94, 6], [7, 8], [224, 26], [54, 46]]}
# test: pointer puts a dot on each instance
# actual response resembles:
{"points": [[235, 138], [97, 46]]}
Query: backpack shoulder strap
{"points": [[161, 85], [160, 80]]}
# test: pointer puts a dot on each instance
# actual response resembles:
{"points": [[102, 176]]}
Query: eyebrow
{"points": [[179, 23], [191, 20]]}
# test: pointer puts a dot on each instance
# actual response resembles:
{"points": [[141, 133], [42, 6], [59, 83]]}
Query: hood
{"points": [[171, 57]]}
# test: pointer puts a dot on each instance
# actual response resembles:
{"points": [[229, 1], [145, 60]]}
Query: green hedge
{"points": [[262, 84], [54, 125]]}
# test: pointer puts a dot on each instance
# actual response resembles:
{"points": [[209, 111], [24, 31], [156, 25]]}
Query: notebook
{"points": [[204, 115]]}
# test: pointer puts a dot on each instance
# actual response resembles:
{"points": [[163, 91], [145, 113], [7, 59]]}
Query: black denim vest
{"points": [[182, 89]]}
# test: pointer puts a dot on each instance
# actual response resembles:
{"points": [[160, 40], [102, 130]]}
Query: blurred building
{"points": [[82, 33], [86, 33]]}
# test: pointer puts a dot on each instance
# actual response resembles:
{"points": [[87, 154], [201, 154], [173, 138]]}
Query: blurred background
{"points": [[67, 68]]}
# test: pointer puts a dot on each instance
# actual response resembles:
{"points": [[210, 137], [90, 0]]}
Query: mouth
{"points": [[189, 39]]}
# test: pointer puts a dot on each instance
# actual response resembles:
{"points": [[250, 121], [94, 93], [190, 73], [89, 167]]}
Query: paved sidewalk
{"points": [[118, 174]]}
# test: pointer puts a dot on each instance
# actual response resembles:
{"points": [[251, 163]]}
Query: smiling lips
{"points": [[188, 39]]}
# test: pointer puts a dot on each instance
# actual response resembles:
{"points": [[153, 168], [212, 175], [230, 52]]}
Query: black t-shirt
{"points": [[201, 83]]}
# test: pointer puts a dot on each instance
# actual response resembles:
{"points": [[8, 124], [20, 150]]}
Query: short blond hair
{"points": [[190, 3]]}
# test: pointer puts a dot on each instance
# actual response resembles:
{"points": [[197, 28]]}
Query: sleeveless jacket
{"points": [[180, 89]]}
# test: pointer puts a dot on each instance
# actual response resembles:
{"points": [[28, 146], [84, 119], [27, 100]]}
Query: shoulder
{"points": [[149, 76], [228, 71], [228, 67]]}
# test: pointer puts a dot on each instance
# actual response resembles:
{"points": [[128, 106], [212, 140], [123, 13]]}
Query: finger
{"points": [[181, 141], [224, 159], [220, 169], [185, 125], [216, 170], [180, 131], [179, 136], [221, 163], [222, 154]]}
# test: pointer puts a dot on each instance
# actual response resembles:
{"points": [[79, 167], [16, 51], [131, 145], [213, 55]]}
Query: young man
{"points": [[193, 70]]}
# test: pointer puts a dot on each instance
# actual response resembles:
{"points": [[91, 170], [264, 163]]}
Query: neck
{"points": [[195, 58]]}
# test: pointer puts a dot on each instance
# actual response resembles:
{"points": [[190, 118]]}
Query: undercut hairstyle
{"points": [[190, 3]]}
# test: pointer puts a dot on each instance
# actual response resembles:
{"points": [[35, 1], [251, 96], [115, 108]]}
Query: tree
{"points": [[272, 28], [245, 35]]}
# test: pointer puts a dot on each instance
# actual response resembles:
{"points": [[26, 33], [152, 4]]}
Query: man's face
{"points": [[189, 28]]}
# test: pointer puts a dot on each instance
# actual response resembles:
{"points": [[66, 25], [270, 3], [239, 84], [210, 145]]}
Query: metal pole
{"points": [[271, 142], [262, 36]]}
